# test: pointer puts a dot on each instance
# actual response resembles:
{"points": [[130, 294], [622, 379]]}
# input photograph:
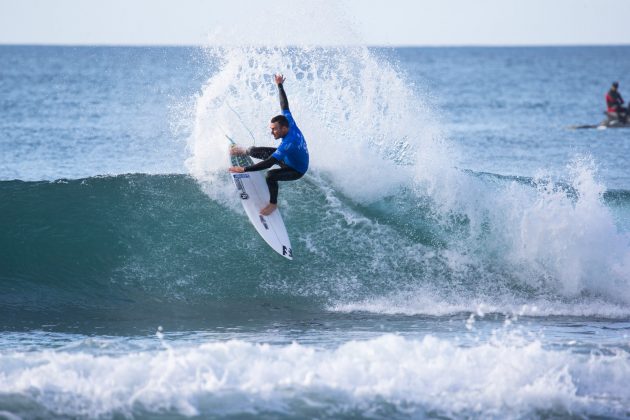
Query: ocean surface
{"points": [[459, 251]]}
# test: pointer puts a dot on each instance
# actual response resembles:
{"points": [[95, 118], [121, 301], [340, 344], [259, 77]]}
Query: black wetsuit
{"points": [[286, 172]]}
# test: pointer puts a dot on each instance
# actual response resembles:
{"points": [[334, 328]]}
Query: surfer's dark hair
{"points": [[280, 119]]}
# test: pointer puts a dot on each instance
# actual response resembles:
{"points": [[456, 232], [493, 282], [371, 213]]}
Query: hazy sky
{"points": [[372, 22]]}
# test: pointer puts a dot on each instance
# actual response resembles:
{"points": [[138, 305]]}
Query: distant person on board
{"points": [[614, 102], [291, 155]]}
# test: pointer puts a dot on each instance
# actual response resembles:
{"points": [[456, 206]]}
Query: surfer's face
{"points": [[277, 130]]}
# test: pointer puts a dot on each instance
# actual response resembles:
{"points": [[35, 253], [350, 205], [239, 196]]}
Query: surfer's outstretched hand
{"points": [[236, 169], [279, 79]]}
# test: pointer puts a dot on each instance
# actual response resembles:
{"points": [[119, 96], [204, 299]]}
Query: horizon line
{"points": [[157, 45]]}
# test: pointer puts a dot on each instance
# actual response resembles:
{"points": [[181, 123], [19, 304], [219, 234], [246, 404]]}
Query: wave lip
{"points": [[388, 375]]}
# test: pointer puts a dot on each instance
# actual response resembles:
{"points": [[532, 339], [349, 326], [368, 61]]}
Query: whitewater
{"points": [[450, 260]]}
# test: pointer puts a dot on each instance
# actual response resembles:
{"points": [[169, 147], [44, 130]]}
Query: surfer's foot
{"points": [[270, 208], [237, 151]]}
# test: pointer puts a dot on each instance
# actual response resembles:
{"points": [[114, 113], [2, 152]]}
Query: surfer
{"points": [[291, 155]]}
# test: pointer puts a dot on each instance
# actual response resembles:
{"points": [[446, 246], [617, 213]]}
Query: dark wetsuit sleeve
{"points": [[284, 102], [265, 164], [616, 98]]}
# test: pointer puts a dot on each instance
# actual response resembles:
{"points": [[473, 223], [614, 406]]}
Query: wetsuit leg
{"points": [[283, 174], [261, 152]]}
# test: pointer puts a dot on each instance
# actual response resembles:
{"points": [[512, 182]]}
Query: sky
{"points": [[315, 22]]}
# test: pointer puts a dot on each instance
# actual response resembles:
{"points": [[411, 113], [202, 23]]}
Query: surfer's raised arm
{"points": [[284, 102], [291, 155]]}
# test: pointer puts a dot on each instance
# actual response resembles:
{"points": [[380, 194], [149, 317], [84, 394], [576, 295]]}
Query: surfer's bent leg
{"points": [[261, 152], [282, 174]]}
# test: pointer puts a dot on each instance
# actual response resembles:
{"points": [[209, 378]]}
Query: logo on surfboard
{"points": [[287, 251], [241, 187]]}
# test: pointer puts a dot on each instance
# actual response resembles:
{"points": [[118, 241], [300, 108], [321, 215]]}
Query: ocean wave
{"points": [[103, 243], [389, 376], [388, 207]]}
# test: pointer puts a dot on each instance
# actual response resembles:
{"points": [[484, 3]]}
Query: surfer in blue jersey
{"points": [[291, 155]]}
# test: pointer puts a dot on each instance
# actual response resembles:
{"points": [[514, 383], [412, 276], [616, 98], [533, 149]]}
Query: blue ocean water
{"points": [[459, 250]]}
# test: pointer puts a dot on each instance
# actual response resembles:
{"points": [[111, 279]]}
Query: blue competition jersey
{"points": [[293, 151]]}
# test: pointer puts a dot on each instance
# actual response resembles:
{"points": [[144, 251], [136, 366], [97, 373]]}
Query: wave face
{"points": [[154, 243]]}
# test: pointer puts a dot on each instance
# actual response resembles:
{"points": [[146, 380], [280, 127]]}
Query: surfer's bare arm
{"points": [[284, 102]]}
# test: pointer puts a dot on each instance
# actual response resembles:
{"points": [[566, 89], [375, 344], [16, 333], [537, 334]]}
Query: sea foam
{"points": [[504, 376]]}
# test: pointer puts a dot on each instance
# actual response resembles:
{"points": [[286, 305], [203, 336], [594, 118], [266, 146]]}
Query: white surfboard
{"points": [[254, 194]]}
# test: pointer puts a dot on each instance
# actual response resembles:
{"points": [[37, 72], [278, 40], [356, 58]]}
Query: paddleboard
{"points": [[253, 192]]}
